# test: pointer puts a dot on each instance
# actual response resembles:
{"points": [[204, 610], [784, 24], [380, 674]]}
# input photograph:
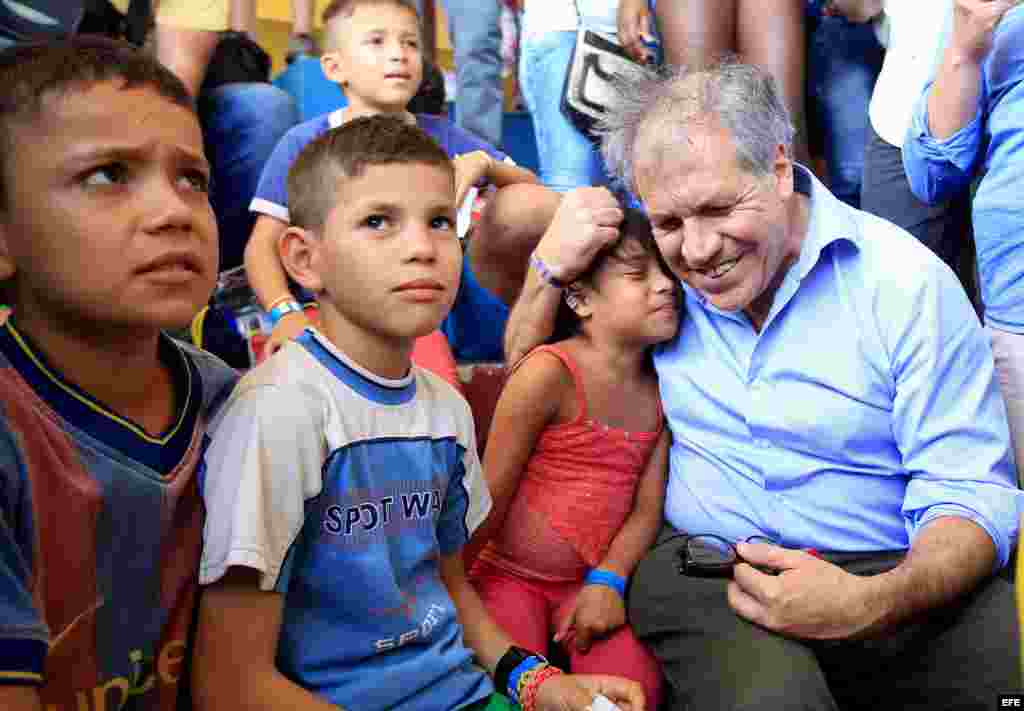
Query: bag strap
{"points": [[137, 21]]}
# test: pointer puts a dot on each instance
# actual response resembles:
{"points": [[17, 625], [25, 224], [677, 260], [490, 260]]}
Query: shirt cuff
{"points": [[22, 662], [960, 149], [1001, 543]]}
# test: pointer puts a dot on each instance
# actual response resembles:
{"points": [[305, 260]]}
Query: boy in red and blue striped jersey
{"points": [[106, 239]]}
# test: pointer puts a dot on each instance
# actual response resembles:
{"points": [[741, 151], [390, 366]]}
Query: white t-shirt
{"points": [[344, 489], [542, 16], [917, 37]]}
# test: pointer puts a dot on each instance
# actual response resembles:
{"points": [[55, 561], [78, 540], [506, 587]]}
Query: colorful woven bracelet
{"points": [[538, 677]]}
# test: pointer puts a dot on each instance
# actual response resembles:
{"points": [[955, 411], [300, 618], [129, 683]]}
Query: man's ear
{"points": [[782, 167], [300, 253], [333, 67]]}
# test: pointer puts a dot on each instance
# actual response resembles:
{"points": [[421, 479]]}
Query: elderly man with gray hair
{"points": [[841, 505]]}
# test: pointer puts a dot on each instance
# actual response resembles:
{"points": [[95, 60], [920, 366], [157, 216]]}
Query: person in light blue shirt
{"points": [[830, 390], [969, 123]]}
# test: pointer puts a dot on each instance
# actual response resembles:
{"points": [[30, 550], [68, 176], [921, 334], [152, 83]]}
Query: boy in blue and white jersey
{"points": [[342, 482]]}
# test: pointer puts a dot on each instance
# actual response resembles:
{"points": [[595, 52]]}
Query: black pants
{"points": [[944, 228], [961, 658]]}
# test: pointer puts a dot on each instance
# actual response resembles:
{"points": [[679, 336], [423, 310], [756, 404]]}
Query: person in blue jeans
{"points": [[475, 31], [843, 61], [568, 159], [242, 122]]}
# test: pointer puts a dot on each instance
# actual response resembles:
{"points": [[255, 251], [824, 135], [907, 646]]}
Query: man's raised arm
{"points": [[586, 221]]}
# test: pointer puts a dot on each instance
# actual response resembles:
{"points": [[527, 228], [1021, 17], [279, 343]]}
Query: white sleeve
{"points": [[263, 464]]}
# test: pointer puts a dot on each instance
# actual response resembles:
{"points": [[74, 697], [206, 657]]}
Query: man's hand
{"points": [[635, 28], [586, 221], [470, 169], [290, 326], [596, 612], [809, 598], [858, 11], [575, 692], [973, 24]]}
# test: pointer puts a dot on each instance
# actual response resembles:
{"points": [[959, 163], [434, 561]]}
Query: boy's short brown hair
{"points": [[30, 73], [346, 152], [345, 8]]}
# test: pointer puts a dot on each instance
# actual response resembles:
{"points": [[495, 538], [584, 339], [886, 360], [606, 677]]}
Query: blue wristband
{"points": [[606, 577], [285, 307], [520, 669]]}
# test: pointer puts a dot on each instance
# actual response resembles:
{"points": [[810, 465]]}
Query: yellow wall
{"points": [[275, 17]]}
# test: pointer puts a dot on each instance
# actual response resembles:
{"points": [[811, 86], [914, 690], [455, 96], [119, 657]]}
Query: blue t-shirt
{"points": [[344, 489], [476, 324]]}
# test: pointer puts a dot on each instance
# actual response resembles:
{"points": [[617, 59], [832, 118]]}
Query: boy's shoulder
{"points": [[454, 140], [307, 131], [218, 378], [442, 398]]}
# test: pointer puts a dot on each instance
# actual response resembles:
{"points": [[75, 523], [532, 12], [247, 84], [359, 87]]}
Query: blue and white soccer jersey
{"points": [[344, 489]]}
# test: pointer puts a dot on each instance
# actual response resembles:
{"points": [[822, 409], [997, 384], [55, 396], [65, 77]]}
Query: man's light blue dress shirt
{"points": [[992, 144], [864, 409]]}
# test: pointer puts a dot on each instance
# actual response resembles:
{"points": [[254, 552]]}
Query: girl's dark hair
{"points": [[635, 228]]}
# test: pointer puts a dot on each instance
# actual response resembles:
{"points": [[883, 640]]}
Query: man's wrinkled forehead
{"points": [[665, 145]]}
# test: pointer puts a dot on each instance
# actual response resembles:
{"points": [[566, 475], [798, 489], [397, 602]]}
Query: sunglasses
{"points": [[710, 556]]}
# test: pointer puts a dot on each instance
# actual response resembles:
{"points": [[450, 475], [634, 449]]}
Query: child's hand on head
{"points": [[596, 612], [470, 168]]}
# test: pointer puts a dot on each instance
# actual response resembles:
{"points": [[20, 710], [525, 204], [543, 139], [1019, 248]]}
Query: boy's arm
{"points": [[504, 173], [268, 279], [236, 644], [600, 609], [472, 167], [528, 403], [562, 692]]}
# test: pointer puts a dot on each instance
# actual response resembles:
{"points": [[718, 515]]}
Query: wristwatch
{"points": [[509, 661]]}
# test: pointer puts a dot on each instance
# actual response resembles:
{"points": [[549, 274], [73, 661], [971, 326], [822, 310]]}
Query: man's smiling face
{"points": [[722, 229]]}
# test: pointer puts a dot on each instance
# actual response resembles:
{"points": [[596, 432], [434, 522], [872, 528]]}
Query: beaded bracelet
{"points": [[545, 273], [537, 677], [278, 300]]}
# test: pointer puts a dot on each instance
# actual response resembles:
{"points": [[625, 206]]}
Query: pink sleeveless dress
{"points": [[576, 492]]}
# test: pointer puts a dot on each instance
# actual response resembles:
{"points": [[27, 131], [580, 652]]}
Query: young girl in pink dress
{"points": [[576, 461]]}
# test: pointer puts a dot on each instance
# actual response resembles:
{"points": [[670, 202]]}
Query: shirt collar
{"points": [[829, 220]]}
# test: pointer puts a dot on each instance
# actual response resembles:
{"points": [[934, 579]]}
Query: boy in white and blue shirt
{"points": [[342, 482]]}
